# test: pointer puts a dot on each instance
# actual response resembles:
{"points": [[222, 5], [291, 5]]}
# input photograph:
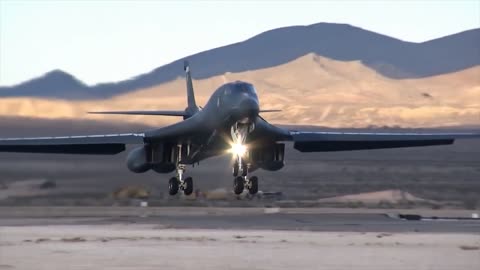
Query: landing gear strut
{"points": [[178, 182]]}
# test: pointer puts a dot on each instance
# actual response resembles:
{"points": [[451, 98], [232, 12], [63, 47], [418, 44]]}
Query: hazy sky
{"points": [[115, 40]]}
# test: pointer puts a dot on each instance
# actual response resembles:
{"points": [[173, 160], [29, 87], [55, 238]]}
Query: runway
{"points": [[304, 219], [234, 238], [297, 222]]}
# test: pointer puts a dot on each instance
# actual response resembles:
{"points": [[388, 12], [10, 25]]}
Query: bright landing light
{"points": [[238, 149]]}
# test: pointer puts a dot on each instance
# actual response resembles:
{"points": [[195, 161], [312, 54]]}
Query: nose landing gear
{"points": [[241, 167], [252, 185], [242, 182], [238, 185]]}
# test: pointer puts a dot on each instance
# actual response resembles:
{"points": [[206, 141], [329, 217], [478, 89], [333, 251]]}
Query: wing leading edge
{"points": [[163, 113], [108, 144], [344, 141]]}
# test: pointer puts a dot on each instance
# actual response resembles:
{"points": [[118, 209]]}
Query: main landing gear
{"points": [[177, 182]]}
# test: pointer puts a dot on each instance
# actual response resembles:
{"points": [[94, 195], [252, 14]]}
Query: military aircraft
{"points": [[230, 122]]}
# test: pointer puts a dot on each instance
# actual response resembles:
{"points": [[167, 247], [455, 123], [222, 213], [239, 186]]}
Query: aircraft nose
{"points": [[246, 108], [249, 106]]}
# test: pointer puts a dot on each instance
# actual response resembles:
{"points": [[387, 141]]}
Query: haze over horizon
{"points": [[123, 39]]}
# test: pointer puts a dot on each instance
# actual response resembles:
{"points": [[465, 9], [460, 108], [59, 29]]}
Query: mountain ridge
{"points": [[389, 56]]}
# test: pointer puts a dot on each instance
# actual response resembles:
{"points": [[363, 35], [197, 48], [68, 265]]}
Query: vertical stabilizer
{"points": [[192, 105]]}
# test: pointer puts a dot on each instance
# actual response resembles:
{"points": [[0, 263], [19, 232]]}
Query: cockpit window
{"points": [[251, 90], [247, 88], [227, 91]]}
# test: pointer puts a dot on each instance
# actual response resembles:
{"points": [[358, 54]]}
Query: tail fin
{"points": [[192, 105], [187, 113]]}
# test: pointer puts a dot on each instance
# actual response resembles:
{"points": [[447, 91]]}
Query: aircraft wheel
{"points": [[238, 185], [188, 186], [253, 185], [173, 186]]}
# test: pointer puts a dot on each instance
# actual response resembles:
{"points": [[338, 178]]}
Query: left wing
{"points": [[108, 144], [344, 141], [164, 113]]}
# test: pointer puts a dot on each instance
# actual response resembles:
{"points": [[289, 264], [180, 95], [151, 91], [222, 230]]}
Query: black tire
{"points": [[238, 185], [253, 185], [188, 186], [173, 186]]}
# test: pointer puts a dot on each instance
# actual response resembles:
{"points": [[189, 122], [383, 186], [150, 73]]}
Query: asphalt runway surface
{"points": [[298, 222], [304, 219]]}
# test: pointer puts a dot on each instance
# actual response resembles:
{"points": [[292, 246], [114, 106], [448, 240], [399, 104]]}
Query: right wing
{"points": [[346, 141], [108, 144], [165, 113]]}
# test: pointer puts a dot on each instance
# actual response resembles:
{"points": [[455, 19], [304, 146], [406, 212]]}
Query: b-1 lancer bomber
{"points": [[230, 122]]}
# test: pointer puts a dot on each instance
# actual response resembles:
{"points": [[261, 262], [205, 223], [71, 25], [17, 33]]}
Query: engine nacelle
{"points": [[159, 157], [270, 158], [137, 160]]}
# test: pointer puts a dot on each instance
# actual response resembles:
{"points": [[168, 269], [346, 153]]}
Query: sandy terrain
{"points": [[311, 90], [118, 246], [391, 196]]}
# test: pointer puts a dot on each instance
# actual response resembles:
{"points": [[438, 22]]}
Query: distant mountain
{"points": [[310, 90], [56, 84], [388, 56]]}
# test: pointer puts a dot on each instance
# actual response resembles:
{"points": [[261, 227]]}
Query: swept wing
{"points": [[344, 141], [107, 144]]}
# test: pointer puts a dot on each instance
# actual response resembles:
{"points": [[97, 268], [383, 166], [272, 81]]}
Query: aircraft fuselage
{"points": [[231, 104]]}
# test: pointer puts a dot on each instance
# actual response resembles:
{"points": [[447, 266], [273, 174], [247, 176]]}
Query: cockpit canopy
{"points": [[240, 87]]}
